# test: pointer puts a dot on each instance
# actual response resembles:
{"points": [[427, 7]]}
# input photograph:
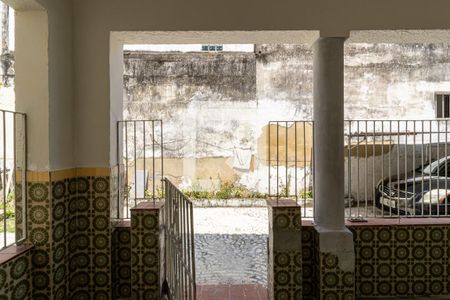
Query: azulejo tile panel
{"points": [[331, 282], [145, 253], [91, 261], [121, 248], [285, 252], [15, 278], [308, 284], [403, 260], [40, 233]]}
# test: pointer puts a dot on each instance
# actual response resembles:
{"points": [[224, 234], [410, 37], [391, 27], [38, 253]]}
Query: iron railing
{"points": [[140, 156], [179, 258], [290, 162], [393, 168], [397, 168], [13, 165]]}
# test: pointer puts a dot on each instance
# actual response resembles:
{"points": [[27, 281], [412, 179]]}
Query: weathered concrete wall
{"points": [[217, 105]]}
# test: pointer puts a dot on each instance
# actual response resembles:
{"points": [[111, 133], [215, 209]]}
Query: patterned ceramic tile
{"points": [[402, 260], [15, 278], [331, 282], [40, 233], [285, 252], [121, 247], [91, 261], [145, 247], [308, 284]]}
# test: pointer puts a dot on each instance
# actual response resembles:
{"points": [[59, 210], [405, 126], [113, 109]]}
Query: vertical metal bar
{"points": [[193, 251], [287, 165], [127, 190], [446, 163], [349, 166], [421, 156], [313, 168], [406, 167], [269, 161], [373, 170], [438, 159], [390, 147], [365, 170], [358, 172], [162, 151], [118, 168], [304, 168], [13, 173], [278, 161], [382, 168], [153, 160], [24, 177], [398, 168], [135, 164], [414, 166], [144, 158], [431, 154], [4, 178], [295, 162]]}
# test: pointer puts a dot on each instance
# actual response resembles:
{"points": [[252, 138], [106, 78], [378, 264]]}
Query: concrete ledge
{"points": [[148, 205]]}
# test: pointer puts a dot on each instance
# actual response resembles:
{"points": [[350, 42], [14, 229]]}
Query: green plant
{"points": [[226, 190], [306, 194]]}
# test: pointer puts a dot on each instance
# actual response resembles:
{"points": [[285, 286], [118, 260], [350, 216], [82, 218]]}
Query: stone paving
{"points": [[231, 245]]}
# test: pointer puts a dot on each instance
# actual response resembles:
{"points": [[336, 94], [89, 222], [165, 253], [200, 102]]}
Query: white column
{"points": [[328, 95]]}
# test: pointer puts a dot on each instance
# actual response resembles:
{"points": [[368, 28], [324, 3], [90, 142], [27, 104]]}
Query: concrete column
{"points": [[328, 95], [334, 243]]}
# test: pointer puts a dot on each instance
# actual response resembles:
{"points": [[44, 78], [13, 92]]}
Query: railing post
{"points": [[285, 250], [146, 233]]}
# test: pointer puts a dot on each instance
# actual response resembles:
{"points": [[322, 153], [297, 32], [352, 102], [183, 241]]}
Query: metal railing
{"points": [[13, 202], [290, 162], [140, 156], [179, 256], [397, 168], [393, 168]]}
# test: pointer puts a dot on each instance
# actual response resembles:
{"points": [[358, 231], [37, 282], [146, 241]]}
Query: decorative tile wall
{"points": [[285, 251], [121, 261], [92, 258], [308, 284], [15, 278], [40, 233], [330, 281], [402, 260], [145, 251]]}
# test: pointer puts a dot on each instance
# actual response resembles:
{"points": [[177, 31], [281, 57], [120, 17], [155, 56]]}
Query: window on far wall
{"points": [[442, 105], [215, 48]]}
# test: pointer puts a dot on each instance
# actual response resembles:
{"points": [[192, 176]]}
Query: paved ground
{"points": [[231, 246], [232, 292]]}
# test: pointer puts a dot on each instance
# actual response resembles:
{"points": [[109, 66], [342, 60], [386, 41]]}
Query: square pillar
{"points": [[285, 250], [146, 221]]}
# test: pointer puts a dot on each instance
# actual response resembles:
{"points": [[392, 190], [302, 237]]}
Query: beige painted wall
{"points": [[44, 80]]}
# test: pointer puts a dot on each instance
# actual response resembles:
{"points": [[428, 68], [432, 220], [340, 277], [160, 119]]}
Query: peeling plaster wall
{"points": [[217, 105]]}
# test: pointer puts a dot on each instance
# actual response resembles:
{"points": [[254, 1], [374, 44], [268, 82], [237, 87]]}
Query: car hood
{"points": [[411, 177]]}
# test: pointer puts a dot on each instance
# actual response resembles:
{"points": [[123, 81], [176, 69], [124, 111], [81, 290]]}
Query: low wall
{"points": [[409, 257]]}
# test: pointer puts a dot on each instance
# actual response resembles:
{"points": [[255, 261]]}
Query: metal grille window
{"points": [[214, 48], [12, 178], [442, 105]]}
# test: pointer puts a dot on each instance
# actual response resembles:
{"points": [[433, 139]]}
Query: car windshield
{"points": [[433, 167]]}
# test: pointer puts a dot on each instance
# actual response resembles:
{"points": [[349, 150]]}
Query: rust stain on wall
{"points": [[294, 144]]}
